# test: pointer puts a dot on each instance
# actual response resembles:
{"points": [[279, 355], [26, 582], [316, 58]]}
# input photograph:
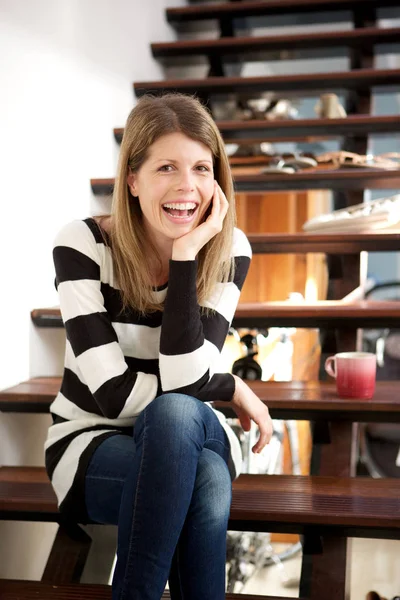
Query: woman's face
{"points": [[174, 186]]}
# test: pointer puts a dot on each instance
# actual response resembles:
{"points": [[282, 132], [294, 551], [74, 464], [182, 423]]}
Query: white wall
{"points": [[66, 74]]}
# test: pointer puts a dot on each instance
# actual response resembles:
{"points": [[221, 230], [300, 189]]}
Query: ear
{"points": [[132, 183]]}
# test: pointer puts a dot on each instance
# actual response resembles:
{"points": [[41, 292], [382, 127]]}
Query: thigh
{"points": [[105, 478]]}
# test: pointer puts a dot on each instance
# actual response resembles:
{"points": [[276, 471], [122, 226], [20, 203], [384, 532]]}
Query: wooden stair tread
{"points": [[256, 131], [323, 313], [285, 400], [317, 500], [256, 44], [232, 10], [38, 590], [283, 502], [253, 131], [328, 314], [350, 179], [328, 243], [27, 491], [299, 85], [317, 400], [34, 395]]}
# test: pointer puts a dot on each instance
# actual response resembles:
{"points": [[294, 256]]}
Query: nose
{"points": [[186, 181]]}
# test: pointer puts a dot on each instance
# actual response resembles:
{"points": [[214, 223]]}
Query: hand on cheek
{"points": [[188, 246]]}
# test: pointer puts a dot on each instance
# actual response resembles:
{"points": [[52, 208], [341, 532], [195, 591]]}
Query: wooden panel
{"points": [[68, 556]]}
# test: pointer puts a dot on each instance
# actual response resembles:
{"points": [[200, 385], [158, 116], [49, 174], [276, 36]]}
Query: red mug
{"points": [[355, 374]]}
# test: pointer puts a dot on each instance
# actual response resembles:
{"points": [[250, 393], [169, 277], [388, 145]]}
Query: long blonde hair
{"points": [[150, 119]]}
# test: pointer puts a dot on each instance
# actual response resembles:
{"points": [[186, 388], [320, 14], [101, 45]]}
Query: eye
{"points": [[202, 168], [166, 168]]}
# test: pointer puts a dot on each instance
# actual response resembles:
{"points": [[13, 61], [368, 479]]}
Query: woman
{"points": [[147, 295]]}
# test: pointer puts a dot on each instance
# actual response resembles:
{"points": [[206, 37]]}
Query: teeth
{"points": [[183, 206]]}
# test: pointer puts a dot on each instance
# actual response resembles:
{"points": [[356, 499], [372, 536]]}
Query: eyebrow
{"points": [[174, 161]]}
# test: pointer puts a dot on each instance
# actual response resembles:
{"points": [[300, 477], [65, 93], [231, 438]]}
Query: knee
{"points": [[213, 486], [173, 409]]}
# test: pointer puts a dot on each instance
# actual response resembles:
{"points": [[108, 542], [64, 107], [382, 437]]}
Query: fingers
{"points": [[223, 202], [220, 203], [266, 429], [215, 202], [243, 417], [245, 422]]}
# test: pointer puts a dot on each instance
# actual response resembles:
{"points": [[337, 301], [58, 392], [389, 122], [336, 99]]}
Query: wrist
{"points": [[182, 253], [181, 256], [178, 254], [238, 383]]}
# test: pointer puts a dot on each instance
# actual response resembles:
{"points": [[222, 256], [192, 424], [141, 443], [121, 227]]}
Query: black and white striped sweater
{"points": [[117, 363]]}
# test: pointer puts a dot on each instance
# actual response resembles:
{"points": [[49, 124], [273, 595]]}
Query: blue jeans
{"points": [[169, 491]]}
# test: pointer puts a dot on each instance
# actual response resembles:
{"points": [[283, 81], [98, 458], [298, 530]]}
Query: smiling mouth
{"points": [[180, 211]]}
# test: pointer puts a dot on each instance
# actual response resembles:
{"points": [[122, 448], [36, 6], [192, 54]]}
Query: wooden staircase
{"points": [[329, 505]]}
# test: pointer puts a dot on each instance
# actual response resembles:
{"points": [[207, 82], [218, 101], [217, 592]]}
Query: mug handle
{"points": [[328, 366]]}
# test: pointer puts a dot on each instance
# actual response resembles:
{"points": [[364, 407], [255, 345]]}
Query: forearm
{"points": [[187, 358]]}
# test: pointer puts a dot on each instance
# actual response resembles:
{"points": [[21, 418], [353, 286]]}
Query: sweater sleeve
{"points": [[191, 343], [97, 358]]}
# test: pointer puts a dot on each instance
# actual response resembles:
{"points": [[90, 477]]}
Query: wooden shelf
{"points": [[328, 243], [310, 401], [234, 10], [257, 48], [328, 314], [341, 179], [296, 85], [256, 131]]}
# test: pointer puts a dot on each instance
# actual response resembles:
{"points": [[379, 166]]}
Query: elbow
{"points": [[110, 412], [109, 407], [190, 389]]}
